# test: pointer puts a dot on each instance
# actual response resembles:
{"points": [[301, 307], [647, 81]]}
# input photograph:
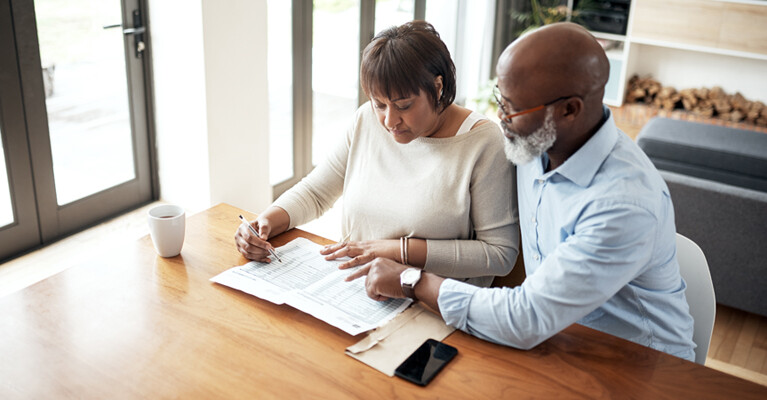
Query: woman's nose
{"points": [[391, 118]]}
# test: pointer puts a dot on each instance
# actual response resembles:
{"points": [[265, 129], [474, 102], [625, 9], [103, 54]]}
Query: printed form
{"points": [[308, 282]]}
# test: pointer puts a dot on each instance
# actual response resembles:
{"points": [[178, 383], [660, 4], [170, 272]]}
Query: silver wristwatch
{"points": [[408, 279]]}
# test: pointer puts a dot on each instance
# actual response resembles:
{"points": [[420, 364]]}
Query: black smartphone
{"points": [[428, 359]]}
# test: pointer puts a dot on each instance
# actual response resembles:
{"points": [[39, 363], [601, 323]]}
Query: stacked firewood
{"points": [[704, 102]]}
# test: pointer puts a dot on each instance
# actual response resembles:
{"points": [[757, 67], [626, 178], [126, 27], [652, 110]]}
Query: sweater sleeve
{"points": [[495, 221], [319, 190]]}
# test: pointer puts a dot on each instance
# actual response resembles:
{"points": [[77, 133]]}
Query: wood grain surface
{"points": [[134, 325], [708, 23]]}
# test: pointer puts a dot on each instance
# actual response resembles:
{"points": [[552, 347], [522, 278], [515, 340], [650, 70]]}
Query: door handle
{"points": [[134, 31], [137, 32], [127, 31]]}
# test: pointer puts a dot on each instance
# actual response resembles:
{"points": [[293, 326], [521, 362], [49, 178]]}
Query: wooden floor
{"points": [[738, 344]]}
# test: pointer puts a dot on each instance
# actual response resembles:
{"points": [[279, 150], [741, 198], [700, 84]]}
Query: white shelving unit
{"points": [[616, 49], [697, 43], [691, 43], [701, 49]]}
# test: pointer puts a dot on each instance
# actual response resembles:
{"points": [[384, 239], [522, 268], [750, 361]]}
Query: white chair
{"points": [[700, 293]]}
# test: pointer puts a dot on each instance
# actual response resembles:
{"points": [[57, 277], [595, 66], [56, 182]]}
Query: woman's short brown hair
{"points": [[402, 60]]}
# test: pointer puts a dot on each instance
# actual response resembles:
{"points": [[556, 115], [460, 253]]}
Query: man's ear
{"points": [[572, 108]]}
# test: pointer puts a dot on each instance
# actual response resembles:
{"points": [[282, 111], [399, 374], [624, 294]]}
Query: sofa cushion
{"points": [[728, 155], [728, 223]]}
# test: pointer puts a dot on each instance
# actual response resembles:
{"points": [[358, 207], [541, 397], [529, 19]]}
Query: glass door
{"points": [[81, 67], [86, 97], [18, 217]]}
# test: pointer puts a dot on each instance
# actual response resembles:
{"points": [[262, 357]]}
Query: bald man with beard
{"points": [[597, 221]]}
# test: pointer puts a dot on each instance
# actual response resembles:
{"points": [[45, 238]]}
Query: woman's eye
{"points": [[380, 106], [403, 108]]}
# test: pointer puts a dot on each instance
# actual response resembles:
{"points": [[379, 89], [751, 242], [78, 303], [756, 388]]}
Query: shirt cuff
{"points": [[454, 299]]}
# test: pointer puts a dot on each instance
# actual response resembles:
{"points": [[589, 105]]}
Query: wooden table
{"points": [[134, 325]]}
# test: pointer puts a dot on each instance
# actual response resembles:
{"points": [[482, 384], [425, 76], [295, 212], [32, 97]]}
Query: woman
{"points": [[425, 181]]}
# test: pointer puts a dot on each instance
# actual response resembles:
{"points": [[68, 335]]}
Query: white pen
{"points": [[256, 233]]}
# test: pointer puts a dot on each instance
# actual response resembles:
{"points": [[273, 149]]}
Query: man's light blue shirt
{"points": [[599, 245]]}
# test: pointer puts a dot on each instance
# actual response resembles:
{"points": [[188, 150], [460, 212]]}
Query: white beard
{"points": [[521, 150]]}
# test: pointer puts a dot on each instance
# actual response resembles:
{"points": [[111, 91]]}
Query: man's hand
{"points": [[383, 282]]}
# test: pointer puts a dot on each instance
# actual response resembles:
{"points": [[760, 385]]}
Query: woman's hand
{"points": [[362, 252], [254, 247]]}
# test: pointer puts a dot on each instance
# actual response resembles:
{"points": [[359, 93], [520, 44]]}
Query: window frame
{"points": [[302, 41]]}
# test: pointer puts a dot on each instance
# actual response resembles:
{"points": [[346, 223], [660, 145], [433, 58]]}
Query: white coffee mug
{"points": [[166, 226]]}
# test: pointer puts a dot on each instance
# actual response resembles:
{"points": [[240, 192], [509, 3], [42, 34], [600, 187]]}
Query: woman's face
{"points": [[407, 118]]}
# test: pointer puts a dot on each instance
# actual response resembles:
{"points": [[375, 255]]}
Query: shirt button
{"points": [[540, 180], [536, 257], [532, 219]]}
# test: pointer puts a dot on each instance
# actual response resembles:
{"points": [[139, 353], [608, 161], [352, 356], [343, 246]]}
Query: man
{"points": [[597, 222]]}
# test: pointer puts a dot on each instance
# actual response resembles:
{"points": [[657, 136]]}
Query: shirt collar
{"points": [[582, 166]]}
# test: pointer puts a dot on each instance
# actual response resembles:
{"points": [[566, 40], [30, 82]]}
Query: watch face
{"points": [[410, 276]]}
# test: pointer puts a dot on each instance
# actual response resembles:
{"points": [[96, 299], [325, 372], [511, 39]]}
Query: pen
{"points": [[256, 233]]}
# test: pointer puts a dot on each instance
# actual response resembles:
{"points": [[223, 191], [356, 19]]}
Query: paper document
{"points": [[389, 345], [308, 282]]}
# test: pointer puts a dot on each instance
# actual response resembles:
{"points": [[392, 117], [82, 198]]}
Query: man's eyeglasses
{"points": [[508, 116]]}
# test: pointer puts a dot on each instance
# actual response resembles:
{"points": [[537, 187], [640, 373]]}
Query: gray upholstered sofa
{"points": [[717, 177]]}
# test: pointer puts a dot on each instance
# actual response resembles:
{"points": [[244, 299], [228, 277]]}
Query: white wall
{"points": [[179, 102], [234, 36], [211, 102]]}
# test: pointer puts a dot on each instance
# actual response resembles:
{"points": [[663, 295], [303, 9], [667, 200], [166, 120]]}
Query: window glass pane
{"points": [[280, 75], [467, 30], [6, 208], [86, 95], [393, 12], [443, 14], [335, 72]]}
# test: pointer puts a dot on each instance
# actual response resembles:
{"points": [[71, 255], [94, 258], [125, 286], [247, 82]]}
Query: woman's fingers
{"points": [[251, 246], [332, 248], [263, 227], [339, 250], [251, 252], [254, 255], [357, 261], [251, 239]]}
